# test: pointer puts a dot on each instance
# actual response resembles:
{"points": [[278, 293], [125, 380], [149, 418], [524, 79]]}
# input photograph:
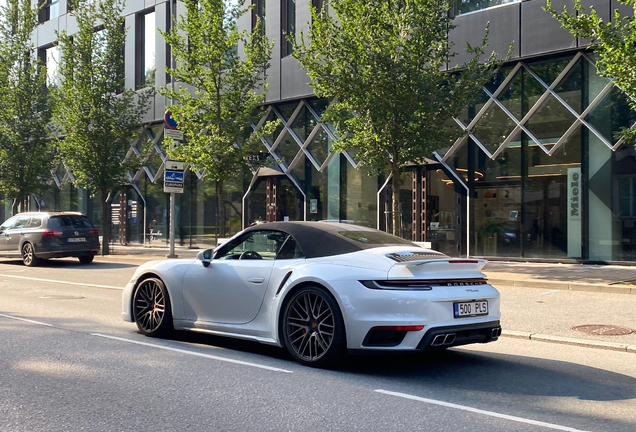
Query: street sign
{"points": [[174, 165], [173, 177], [171, 187], [176, 135], [170, 122]]}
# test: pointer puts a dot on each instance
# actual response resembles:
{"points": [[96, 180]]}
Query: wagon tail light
{"points": [[51, 233], [93, 231], [425, 285]]}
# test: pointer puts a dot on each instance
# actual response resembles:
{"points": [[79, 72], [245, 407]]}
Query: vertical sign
{"points": [[574, 207]]}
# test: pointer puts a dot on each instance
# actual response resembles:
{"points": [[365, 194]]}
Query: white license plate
{"points": [[469, 309], [77, 240]]}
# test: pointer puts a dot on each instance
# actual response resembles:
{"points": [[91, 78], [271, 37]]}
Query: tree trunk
{"points": [[397, 182], [221, 210], [105, 227]]}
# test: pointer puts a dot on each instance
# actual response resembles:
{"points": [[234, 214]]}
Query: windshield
{"points": [[375, 238]]}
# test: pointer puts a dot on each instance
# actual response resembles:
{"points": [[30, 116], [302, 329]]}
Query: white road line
{"points": [[478, 411], [24, 319], [62, 282], [256, 365], [549, 292]]}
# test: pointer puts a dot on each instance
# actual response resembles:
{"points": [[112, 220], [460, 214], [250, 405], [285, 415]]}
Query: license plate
{"points": [[77, 240], [469, 309]]}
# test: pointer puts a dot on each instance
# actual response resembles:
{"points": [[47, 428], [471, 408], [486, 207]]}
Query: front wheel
{"points": [[313, 328], [151, 308], [28, 255]]}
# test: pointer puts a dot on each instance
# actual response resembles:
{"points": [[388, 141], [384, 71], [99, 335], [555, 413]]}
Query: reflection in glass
{"points": [[303, 124], [320, 146], [550, 121], [493, 128], [287, 149]]}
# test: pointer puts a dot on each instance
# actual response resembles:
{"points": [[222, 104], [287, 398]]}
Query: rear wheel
{"points": [[313, 328], [28, 255], [86, 259], [151, 308]]}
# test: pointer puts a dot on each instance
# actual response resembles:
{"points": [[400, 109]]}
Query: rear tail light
{"points": [[51, 233], [93, 231]]}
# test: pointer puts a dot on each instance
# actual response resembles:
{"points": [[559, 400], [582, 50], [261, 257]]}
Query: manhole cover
{"points": [[61, 297], [604, 330]]}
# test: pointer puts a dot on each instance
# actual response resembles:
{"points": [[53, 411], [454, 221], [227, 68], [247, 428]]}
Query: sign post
{"points": [[172, 183]]}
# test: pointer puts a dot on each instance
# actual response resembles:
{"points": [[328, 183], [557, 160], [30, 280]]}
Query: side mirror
{"points": [[205, 257]]}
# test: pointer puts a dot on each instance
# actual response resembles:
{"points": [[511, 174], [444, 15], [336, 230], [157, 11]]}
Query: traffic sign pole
{"points": [[171, 254], [173, 180]]}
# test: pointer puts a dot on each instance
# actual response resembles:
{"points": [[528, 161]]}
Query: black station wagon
{"points": [[44, 235]]}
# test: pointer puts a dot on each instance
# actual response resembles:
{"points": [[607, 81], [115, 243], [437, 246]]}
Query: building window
{"points": [[258, 10], [465, 6], [170, 17], [146, 64], [50, 58], [288, 25], [49, 9]]}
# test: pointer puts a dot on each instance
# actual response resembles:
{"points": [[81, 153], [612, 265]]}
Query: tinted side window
{"points": [[290, 250], [253, 245]]}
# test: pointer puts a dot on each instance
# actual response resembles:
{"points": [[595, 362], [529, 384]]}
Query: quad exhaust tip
{"points": [[443, 339]]}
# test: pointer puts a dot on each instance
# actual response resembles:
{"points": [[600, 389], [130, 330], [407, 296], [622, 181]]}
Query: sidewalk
{"points": [[575, 277], [540, 302]]}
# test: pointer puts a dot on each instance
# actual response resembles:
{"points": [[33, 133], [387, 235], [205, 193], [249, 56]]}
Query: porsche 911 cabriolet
{"points": [[318, 289]]}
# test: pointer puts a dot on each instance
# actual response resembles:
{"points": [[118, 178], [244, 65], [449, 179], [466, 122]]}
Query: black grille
{"points": [[415, 256]]}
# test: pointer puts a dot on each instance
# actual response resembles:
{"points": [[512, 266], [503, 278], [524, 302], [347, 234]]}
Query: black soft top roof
{"points": [[320, 239]]}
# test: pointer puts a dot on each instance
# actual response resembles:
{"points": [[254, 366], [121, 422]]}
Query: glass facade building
{"points": [[539, 173]]}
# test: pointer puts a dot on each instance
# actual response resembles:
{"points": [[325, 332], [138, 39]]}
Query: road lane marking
{"points": [[182, 351], [549, 292], [478, 411], [27, 320], [62, 282]]}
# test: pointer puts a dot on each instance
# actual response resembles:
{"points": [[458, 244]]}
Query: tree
{"points": [[614, 42], [25, 147], [225, 70], [96, 115], [383, 62]]}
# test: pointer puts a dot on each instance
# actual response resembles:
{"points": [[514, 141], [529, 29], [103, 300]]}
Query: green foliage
{"points": [[25, 150], [96, 115], [614, 43], [220, 85], [383, 61]]}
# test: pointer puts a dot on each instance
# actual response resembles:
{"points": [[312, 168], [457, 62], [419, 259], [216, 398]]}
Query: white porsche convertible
{"points": [[318, 288]]}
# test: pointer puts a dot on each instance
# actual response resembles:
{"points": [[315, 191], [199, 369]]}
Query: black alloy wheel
{"points": [[151, 308], [28, 255], [86, 259], [313, 328]]}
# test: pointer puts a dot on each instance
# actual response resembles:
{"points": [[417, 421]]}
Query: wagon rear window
{"points": [[374, 238], [69, 221]]}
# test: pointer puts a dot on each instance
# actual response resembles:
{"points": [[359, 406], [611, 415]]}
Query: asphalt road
{"points": [[76, 366]]}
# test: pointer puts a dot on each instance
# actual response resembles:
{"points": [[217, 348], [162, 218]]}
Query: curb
{"points": [[569, 341], [564, 286]]}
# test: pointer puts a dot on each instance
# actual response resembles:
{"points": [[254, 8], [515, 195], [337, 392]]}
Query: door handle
{"points": [[256, 280]]}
